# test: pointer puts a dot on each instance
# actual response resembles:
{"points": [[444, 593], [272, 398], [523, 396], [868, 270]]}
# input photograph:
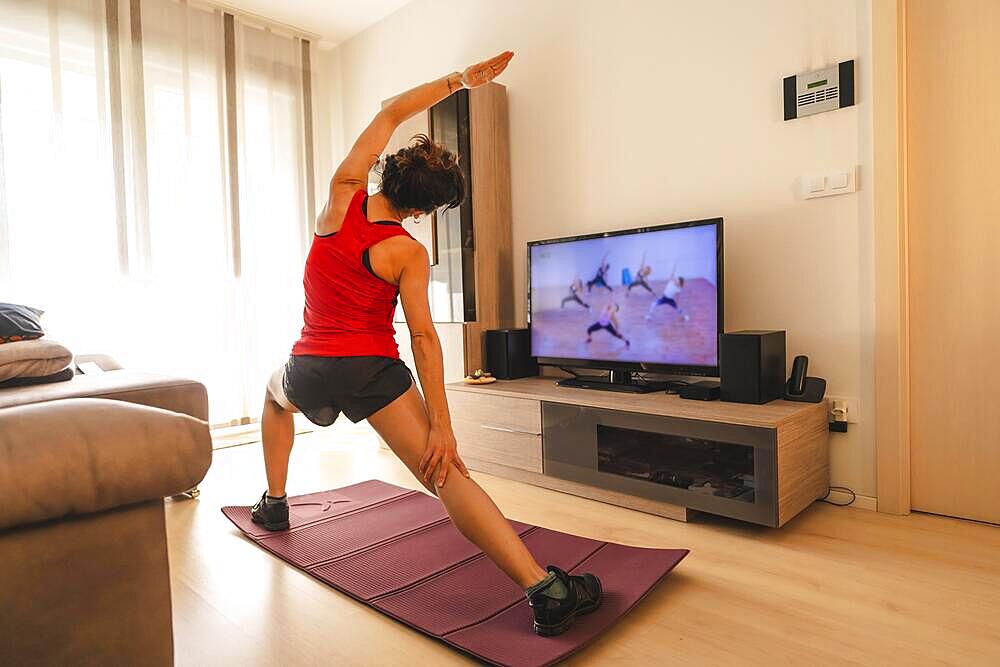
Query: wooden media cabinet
{"points": [[656, 453]]}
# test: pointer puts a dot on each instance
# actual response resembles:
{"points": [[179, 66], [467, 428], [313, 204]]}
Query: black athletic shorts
{"points": [[323, 387]]}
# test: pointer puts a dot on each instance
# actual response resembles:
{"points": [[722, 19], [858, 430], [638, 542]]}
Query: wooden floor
{"points": [[835, 586]]}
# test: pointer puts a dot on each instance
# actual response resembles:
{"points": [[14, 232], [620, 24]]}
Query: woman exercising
{"points": [[346, 359], [641, 278], [673, 288], [601, 277], [575, 290], [608, 321]]}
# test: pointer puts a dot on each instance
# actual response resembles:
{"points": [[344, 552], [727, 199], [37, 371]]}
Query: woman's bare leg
{"points": [[404, 425], [277, 430]]}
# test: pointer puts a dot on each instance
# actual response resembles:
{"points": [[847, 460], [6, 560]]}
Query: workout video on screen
{"points": [[645, 297]]}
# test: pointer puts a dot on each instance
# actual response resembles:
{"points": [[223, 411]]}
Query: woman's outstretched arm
{"points": [[353, 171]]}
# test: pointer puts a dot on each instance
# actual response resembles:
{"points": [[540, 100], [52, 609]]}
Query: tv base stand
{"points": [[656, 452], [605, 385]]}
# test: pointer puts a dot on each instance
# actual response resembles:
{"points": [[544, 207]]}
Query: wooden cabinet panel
{"points": [[522, 415], [803, 461], [498, 429], [514, 450]]}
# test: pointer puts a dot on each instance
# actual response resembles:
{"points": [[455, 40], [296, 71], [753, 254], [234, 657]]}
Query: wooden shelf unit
{"points": [[487, 137], [500, 430]]}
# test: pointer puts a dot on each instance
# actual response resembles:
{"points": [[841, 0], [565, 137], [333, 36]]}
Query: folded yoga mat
{"points": [[396, 550]]}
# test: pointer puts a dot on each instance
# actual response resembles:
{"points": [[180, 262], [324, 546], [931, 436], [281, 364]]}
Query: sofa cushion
{"points": [[175, 394], [33, 358], [19, 323], [72, 457]]}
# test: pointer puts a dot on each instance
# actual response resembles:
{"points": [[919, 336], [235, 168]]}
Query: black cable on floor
{"points": [[844, 489]]}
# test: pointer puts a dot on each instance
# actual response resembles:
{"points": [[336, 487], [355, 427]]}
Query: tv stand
{"points": [[656, 453], [619, 380]]}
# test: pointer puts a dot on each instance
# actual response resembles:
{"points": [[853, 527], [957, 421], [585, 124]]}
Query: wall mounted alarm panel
{"points": [[822, 90]]}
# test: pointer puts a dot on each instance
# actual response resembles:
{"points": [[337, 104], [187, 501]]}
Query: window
{"points": [[154, 185], [57, 202]]}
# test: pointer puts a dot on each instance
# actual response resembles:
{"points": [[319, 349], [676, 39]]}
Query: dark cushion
{"points": [[61, 376], [19, 323]]}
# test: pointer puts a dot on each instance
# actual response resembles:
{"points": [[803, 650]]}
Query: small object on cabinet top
{"points": [[480, 377]]}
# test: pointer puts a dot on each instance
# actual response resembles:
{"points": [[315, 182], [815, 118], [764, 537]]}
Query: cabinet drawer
{"points": [[497, 413], [498, 429]]}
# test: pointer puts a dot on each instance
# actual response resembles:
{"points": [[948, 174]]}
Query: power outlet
{"points": [[850, 406]]}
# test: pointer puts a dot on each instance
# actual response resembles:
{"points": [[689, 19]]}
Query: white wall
{"points": [[624, 114]]}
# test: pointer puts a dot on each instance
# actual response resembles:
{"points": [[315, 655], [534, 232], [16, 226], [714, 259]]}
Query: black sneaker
{"points": [[554, 615], [273, 516]]}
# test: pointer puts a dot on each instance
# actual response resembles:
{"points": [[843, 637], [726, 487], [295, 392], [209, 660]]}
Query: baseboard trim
{"points": [[861, 502]]}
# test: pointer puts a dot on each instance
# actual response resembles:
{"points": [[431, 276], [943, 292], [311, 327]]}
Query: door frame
{"points": [[892, 326]]}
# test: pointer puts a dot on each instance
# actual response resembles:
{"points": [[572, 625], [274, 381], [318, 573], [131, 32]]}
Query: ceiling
{"points": [[333, 20]]}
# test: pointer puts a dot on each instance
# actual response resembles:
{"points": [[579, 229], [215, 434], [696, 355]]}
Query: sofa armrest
{"points": [[83, 455], [103, 361]]}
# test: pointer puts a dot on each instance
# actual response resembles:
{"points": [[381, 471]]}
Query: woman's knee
{"points": [[275, 392], [270, 403]]}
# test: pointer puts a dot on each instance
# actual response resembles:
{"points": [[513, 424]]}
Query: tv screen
{"points": [[641, 297]]}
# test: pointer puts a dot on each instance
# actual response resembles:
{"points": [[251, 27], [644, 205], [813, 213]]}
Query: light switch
{"points": [[829, 184]]}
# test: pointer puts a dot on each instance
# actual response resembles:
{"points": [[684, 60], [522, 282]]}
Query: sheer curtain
{"points": [[58, 233], [275, 228], [125, 134], [183, 294]]}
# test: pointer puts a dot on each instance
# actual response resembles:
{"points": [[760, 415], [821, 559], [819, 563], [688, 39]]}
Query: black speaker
{"points": [[752, 366], [706, 390], [508, 354]]}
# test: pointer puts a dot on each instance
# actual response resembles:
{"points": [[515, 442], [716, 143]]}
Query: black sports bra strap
{"points": [[364, 212]]}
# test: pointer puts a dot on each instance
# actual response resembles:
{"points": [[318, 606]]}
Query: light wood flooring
{"points": [[835, 586]]}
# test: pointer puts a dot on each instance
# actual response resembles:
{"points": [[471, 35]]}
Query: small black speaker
{"points": [[706, 390], [752, 366], [508, 354]]}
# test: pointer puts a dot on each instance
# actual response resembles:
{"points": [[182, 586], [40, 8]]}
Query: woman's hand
{"points": [[484, 72], [441, 452]]}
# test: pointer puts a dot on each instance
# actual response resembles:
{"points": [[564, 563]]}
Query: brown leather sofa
{"points": [[84, 468]]}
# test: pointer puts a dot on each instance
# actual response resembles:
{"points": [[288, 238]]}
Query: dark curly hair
{"points": [[423, 176]]}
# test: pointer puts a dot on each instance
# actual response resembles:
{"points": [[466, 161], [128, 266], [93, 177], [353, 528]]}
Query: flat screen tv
{"points": [[647, 299]]}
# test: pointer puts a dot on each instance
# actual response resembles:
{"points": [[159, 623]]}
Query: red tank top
{"points": [[348, 310]]}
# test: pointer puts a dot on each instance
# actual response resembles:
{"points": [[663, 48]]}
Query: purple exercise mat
{"points": [[396, 550]]}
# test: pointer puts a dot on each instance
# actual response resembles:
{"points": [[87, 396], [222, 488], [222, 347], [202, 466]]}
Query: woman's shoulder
{"points": [[406, 248], [343, 201]]}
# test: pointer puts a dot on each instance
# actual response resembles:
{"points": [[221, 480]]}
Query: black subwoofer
{"points": [[752, 366], [508, 354]]}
